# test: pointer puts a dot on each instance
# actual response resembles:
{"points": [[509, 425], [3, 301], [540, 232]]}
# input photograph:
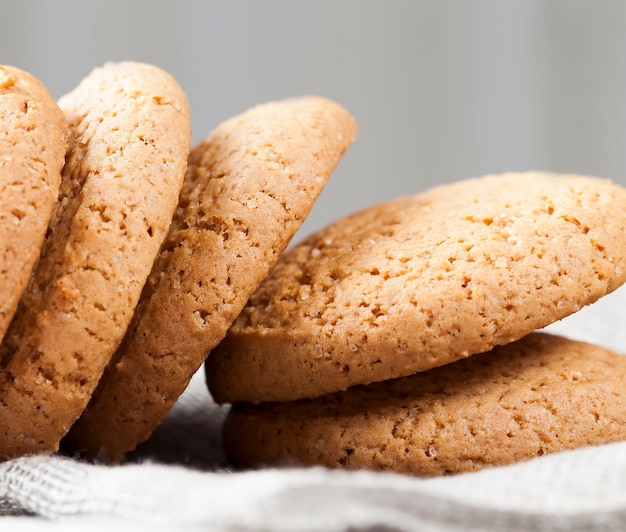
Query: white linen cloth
{"points": [[180, 480]]}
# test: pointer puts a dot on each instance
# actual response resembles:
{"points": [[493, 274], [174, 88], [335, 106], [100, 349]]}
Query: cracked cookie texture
{"points": [[126, 159], [422, 281], [33, 140], [539, 395], [249, 186]]}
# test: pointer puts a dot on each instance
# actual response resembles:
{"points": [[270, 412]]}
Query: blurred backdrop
{"points": [[442, 90]]}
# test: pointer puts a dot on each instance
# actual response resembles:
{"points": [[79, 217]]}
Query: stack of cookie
{"points": [[117, 175], [126, 255], [402, 338]]}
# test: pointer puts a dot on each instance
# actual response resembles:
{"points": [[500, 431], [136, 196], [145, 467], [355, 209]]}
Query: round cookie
{"points": [[129, 143], [422, 281], [33, 140], [249, 186], [539, 395]]}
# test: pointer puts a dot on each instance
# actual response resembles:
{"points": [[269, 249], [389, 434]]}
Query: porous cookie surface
{"points": [[129, 144], [249, 186], [422, 281], [536, 396], [33, 140]]}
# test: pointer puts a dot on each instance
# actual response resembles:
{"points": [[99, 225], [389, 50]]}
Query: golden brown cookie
{"points": [[249, 186], [539, 395], [127, 157], [33, 140], [422, 281]]}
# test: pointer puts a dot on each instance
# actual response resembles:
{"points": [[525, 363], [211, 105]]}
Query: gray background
{"points": [[442, 90]]}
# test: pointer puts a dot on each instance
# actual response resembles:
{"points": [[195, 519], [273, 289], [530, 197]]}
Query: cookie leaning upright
{"points": [[539, 395], [33, 140], [422, 281], [127, 157], [249, 186]]}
